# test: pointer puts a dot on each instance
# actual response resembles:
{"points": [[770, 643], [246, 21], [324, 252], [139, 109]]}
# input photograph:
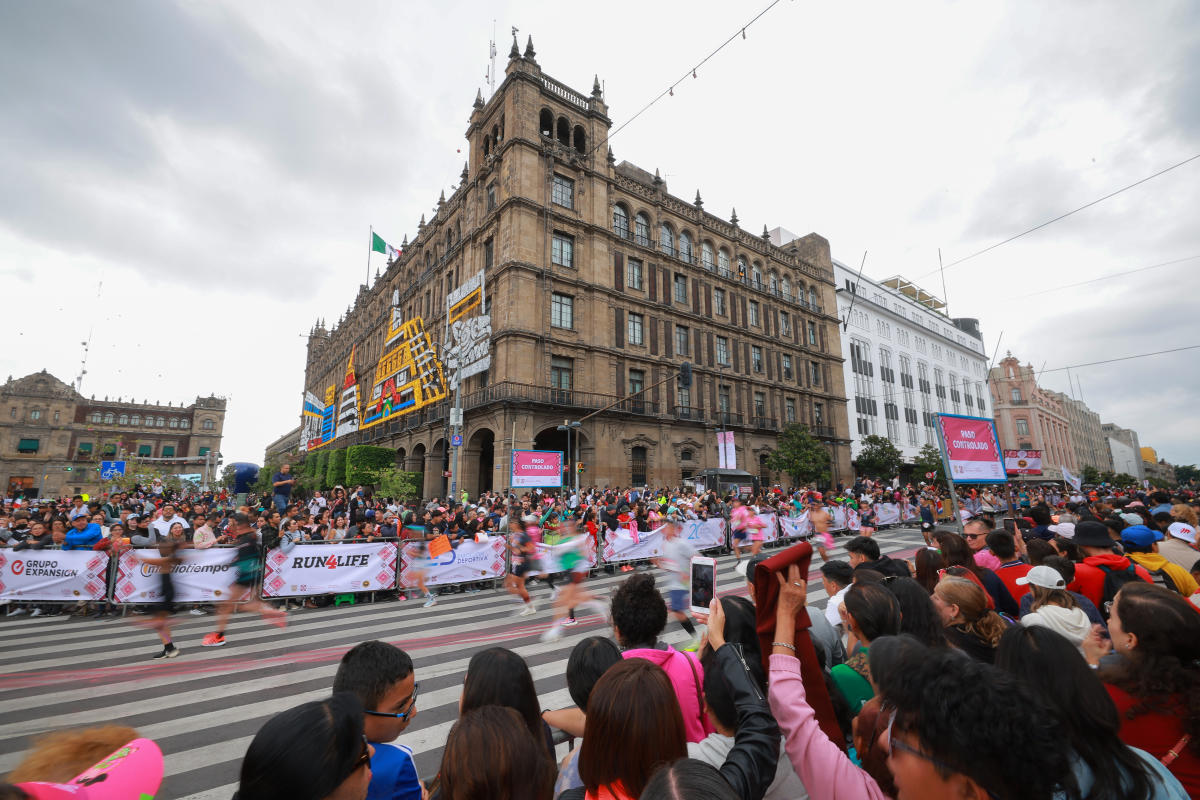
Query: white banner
{"points": [[796, 527], [627, 544], [311, 569], [887, 513], [1075, 481], [770, 531], [52, 574], [704, 534], [548, 555], [205, 576], [469, 561], [838, 514]]}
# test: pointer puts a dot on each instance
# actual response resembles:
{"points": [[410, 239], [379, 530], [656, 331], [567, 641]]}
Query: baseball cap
{"points": [[1140, 535], [134, 769], [1132, 519], [1064, 529], [1181, 530], [1090, 533], [1046, 577]]}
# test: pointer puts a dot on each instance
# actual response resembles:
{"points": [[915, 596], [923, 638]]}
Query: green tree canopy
{"points": [[929, 459], [800, 455], [1090, 474], [1186, 473], [364, 462], [879, 458]]}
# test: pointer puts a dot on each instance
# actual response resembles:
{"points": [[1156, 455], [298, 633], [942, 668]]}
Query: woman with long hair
{"points": [[1105, 767], [1156, 685], [918, 616], [1054, 607], [491, 754], [928, 562], [870, 611], [970, 625], [316, 750], [500, 677]]}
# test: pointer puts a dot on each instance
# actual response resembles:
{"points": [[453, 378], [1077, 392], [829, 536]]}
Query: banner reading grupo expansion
{"points": [[52, 574], [469, 561], [204, 576], [971, 449], [310, 569]]}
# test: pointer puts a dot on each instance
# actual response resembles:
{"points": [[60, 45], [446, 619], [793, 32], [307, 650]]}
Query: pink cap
{"points": [[133, 770]]}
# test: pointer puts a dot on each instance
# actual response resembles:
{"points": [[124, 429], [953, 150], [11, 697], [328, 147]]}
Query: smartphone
{"points": [[704, 583]]}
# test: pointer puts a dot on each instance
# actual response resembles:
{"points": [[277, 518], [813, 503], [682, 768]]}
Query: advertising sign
{"points": [[204, 576], [52, 574], [726, 451], [310, 569], [532, 468], [469, 561], [971, 449], [469, 351], [1023, 462]]}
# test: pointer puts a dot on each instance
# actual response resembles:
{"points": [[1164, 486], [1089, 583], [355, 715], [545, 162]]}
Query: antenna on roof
{"points": [[492, 68]]}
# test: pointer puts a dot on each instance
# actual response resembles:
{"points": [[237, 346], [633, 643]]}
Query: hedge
{"points": [[363, 463], [320, 467], [335, 473]]}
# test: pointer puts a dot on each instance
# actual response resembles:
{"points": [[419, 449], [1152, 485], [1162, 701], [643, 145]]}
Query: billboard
{"points": [[532, 468], [467, 351], [971, 449], [1023, 462]]}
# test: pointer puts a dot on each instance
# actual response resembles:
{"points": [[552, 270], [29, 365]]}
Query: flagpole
{"points": [[370, 247]]}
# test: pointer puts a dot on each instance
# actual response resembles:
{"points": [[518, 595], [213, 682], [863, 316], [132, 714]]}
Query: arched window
{"points": [[743, 269], [641, 230], [666, 239], [621, 221], [123, 419], [685, 246], [108, 418], [36, 414], [546, 123], [707, 257], [95, 417], [580, 139], [685, 455], [208, 425], [564, 132], [487, 146], [174, 422], [785, 287], [812, 296], [773, 282], [136, 419], [159, 422], [723, 260], [183, 423], [756, 274]]}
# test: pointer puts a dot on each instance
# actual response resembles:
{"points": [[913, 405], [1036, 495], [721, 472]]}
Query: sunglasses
{"points": [[410, 705]]}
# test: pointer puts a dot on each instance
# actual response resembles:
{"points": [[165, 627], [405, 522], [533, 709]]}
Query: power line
{"points": [[1103, 278], [1064, 216], [670, 90]]}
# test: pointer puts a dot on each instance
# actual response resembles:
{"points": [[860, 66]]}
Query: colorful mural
{"points": [[468, 352], [408, 376], [348, 409], [310, 421]]}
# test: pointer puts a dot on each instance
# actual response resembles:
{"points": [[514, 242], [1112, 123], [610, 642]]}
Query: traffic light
{"points": [[67, 469], [685, 375], [579, 466]]}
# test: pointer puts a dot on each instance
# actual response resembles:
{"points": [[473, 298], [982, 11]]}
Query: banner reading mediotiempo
{"points": [[52, 574], [205, 576], [342, 568]]}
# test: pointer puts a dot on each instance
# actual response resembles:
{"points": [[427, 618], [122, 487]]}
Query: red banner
{"points": [[1023, 462]]}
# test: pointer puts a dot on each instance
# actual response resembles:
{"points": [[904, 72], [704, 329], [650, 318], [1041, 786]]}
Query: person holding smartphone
{"points": [[676, 561]]}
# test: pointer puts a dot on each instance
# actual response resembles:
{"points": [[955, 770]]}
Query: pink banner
{"points": [[536, 468], [1023, 462], [972, 452]]}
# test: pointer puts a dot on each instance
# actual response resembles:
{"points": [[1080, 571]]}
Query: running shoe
{"points": [[16, 612], [569, 621], [197, 612], [213, 640], [529, 610], [553, 635], [172, 653], [430, 601], [37, 612]]}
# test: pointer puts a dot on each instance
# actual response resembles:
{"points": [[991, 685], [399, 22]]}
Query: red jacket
{"points": [[1089, 578], [1158, 732], [1009, 573]]}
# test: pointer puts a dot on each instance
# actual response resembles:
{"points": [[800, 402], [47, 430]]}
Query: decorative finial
{"points": [[765, 235], [515, 52], [421, 224], [612, 159], [464, 172], [442, 198], [657, 178], [478, 99], [733, 217], [529, 51], [377, 273], [596, 87], [698, 203], [405, 242]]}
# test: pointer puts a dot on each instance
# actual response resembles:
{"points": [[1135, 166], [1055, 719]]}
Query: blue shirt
{"points": [[393, 774], [82, 540]]}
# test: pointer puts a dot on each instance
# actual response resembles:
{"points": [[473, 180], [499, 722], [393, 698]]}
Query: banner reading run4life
{"points": [[204, 576], [310, 569], [52, 574], [469, 561]]}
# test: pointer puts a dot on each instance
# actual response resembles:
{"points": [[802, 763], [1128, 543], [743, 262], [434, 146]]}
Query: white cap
{"points": [[1046, 577], [1064, 529], [1181, 530]]}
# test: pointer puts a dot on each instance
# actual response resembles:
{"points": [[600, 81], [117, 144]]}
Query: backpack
{"points": [[1161, 578], [1113, 581]]}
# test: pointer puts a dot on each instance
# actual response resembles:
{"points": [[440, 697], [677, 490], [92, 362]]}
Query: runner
{"points": [[740, 521], [570, 555], [867, 520], [416, 532], [168, 559], [523, 552], [676, 560], [248, 567], [820, 521]]}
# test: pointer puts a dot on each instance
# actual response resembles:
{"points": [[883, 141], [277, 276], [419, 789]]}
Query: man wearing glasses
{"points": [[382, 677]]}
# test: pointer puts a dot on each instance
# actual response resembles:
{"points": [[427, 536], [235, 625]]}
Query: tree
{"points": [[335, 473], [364, 462], [264, 486], [879, 458], [395, 483], [1187, 473], [1090, 474], [801, 456], [228, 477], [929, 459], [1123, 479]]}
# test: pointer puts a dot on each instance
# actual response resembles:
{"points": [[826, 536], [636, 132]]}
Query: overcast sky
{"points": [[192, 183]]}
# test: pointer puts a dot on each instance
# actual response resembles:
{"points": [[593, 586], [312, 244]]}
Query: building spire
{"points": [[515, 52], [698, 203], [733, 218], [530, 53], [478, 99], [596, 86]]}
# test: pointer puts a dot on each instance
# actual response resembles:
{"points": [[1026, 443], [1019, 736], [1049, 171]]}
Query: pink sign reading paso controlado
{"points": [[972, 449], [536, 468]]}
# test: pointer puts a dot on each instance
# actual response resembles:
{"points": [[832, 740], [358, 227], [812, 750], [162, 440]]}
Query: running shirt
{"points": [[246, 560], [677, 561], [393, 774]]}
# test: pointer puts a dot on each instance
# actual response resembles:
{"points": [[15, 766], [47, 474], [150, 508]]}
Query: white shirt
{"points": [[834, 606], [162, 527]]}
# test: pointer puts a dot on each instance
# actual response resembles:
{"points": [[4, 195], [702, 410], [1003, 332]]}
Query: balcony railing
{"points": [[689, 413], [643, 241], [564, 398], [728, 419], [823, 431], [764, 423]]}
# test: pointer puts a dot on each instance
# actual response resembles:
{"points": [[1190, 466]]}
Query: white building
{"points": [[908, 361]]}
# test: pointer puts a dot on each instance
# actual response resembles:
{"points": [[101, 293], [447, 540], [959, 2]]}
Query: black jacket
{"points": [[750, 766], [887, 566]]}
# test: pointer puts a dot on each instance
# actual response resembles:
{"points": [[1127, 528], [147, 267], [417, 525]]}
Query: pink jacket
{"points": [[987, 559], [825, 770], [687, 676]]}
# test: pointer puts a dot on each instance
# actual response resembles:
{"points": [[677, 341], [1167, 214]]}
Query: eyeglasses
{"points": [[406, 713], [364, 759], [900, 744]]}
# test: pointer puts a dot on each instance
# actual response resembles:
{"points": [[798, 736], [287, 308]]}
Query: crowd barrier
{"points": [[53, 575]]}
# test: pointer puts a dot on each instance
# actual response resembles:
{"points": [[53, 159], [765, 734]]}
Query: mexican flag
{"points": [[378, 245]]}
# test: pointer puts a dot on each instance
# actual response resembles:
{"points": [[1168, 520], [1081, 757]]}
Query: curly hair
{"points": [[1185, 513], [639, 612], [1163, 670], [972, 607]]}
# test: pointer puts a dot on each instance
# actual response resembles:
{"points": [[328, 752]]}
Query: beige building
{"points": [[1156, 468], [599, 283], [1087, 437], [1031, 418], [52, 438]]}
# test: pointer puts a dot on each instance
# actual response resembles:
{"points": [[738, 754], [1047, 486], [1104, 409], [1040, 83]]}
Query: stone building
{"points": [[1125, 449], [51, 437], [599, 283], [1029, 417], [1087, 437]]}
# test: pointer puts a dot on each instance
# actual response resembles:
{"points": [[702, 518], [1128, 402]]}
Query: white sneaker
{"points": [[37, 612], [553, 635], [197, 612], [430, 601], [529, 610], [16, 612]]}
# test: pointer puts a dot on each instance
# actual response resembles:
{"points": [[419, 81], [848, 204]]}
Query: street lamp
{"points": [[568, 426]]}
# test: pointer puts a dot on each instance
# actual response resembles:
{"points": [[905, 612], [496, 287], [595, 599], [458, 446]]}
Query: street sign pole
{"points": [[958, 523]]}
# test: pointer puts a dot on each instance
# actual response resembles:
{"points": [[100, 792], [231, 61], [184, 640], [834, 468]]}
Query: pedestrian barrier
{"points": [[53, 575], [330, 567], [203, 576]]}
